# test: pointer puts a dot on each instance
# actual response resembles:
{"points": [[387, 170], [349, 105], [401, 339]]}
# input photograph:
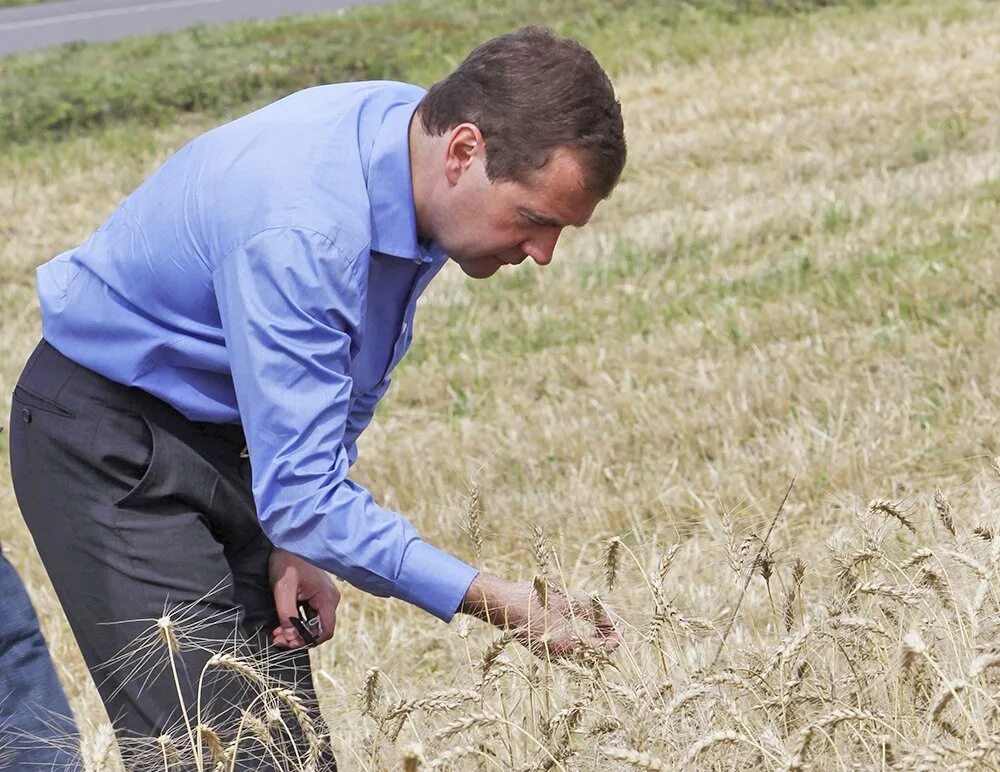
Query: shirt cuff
{"points": [[433, 580]]}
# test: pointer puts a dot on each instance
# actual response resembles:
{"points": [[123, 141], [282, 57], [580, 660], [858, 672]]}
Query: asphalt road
{"points": [[31, 27]]}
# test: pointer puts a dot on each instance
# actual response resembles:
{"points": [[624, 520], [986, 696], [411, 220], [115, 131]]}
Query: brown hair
{"points": [[531, 92]]}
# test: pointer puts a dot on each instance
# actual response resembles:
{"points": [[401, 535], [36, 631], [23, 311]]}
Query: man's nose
{"points": [[542, 247]]}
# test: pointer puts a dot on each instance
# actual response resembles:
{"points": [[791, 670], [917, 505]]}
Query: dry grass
{"points": [[797, 279]]}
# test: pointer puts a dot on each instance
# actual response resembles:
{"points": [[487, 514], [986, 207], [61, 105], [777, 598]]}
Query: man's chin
{"points": [[481, 268]]}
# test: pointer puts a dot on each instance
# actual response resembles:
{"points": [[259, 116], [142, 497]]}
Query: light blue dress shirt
{"points": [[268, 274]]}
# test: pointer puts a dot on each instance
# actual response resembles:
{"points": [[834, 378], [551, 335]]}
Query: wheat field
{"points": [[752, 406]]}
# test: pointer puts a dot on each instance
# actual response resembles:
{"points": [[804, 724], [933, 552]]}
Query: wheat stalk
{"points": [[492, 654], [612, 552], [666, 559], [734, 554], [96, 749], [444, 700], [746, 581], [371, 692], [709, 741], [635, 758], [682, 699], [888, 591], [829, 721], [888, 509], [211, 739], [974, 758], [946, 695], [944, 511], [969, 562], [788, 606], [450, 756], [168, 752], [787, 650], [237, 665], [918, 557], [296, 705], [475, 520], [463, 724]]}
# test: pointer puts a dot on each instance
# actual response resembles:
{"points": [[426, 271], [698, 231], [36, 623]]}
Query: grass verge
{"points": [[221, 70]]}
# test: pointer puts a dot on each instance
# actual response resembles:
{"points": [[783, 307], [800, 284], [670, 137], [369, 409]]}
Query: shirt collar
{"points": [[390, 190]]}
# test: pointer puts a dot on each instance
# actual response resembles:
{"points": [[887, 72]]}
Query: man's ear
{"points": [[464, 146]]}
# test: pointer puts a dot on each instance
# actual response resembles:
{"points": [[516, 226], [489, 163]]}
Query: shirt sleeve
{"points": [[290, 304], [360, 415]]}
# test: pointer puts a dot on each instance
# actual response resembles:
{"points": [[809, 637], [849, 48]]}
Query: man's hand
{"points": [[293, 579], [558, 627]]}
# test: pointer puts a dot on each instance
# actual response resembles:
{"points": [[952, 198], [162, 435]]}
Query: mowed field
{"points": [[795, 290]]}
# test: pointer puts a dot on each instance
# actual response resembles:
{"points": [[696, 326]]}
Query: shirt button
{"points": [[26, 415]]}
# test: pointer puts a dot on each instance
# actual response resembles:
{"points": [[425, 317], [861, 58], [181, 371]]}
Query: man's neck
{"points": [[419, 177]]}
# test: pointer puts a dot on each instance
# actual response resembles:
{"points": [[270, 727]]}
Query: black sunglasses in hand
{"points": [[311, 629]]}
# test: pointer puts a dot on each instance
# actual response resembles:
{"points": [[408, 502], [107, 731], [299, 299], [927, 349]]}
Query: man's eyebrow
{"points": [[542, 219]]}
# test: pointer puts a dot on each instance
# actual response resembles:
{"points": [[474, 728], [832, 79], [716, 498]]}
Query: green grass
{"points": [[931, 301], [12, 3], [889, 285], [229, 69]]}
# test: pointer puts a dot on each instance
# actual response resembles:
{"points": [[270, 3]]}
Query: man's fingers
{"points": [[326, 606], [282, 641], [606, 643], [329, 630], [325, 603], [556, 639], [609, 637], [295, 581], [564, 624], [556, 635], [327, 623], [603, 620], [286, 604]]}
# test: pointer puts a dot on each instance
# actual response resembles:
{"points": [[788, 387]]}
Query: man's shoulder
{"points": [[301, 162], [327, 190], [364, 91], [334, 101]]}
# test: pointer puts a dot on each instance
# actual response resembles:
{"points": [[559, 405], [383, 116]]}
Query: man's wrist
{"points": [[474, 602], [490, 599]]}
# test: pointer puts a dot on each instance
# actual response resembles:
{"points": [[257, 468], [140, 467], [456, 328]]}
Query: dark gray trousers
{"points": [[140, 514]]}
